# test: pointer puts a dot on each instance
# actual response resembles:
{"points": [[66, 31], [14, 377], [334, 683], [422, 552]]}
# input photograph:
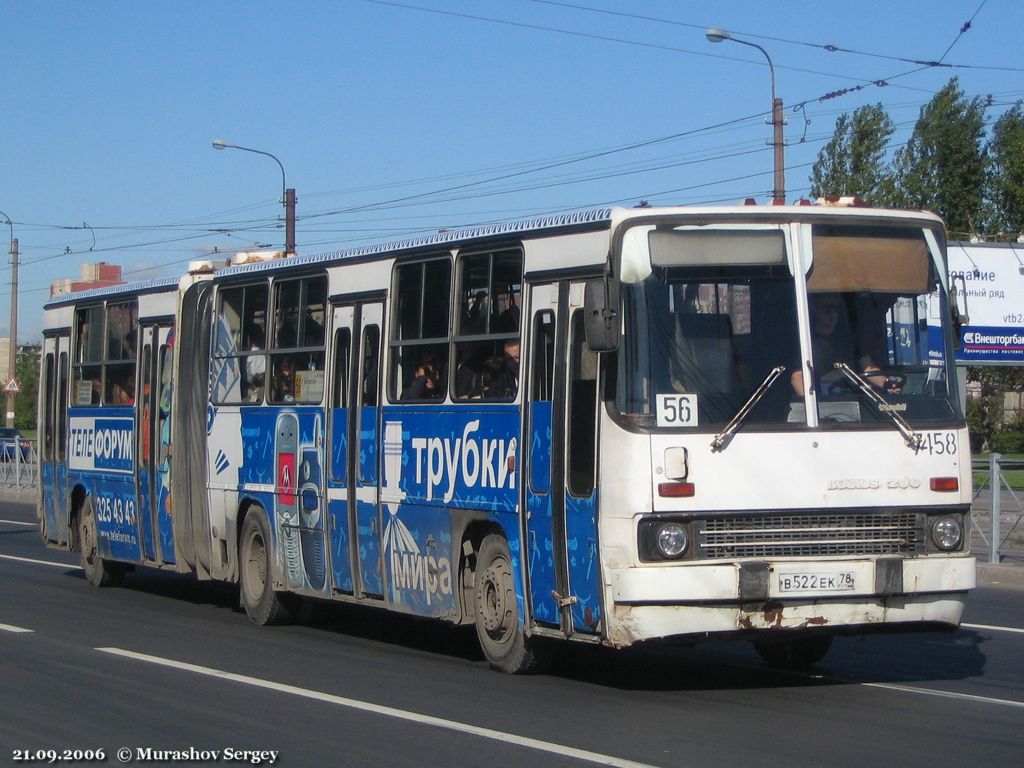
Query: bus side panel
{"points": [[337, 504], [417, 551], [101, 457], [540, 517], [285, 447], [584, 569], [367, 514], [145, 517], [438, 461], [164, 511], [54, 478]]}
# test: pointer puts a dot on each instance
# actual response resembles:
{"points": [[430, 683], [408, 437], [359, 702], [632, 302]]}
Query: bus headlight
{"points": [[671, 540], [947, 532]]}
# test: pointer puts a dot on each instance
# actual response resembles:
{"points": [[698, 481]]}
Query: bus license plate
{"points": [[833, 581]]}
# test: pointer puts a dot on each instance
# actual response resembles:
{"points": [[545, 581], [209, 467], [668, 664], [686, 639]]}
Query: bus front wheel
{"points": [[261, 603], [499, 627], [98, 572]]}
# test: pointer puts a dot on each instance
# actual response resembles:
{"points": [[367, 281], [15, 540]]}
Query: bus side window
{"points": [[542, 374], [419, 335], [371, 363], [240, 344], [88, 372], [62, 407], [489, 288], [48, 416], [582, 437]]}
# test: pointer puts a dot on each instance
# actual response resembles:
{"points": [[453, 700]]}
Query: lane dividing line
{"points": [[14, 629], [50, 563], [993, 629], [19, 522], [376, 709], [940, 694]]}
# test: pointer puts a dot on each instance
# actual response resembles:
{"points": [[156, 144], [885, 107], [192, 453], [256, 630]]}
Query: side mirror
{"points": [[959, 316], [601, 313]]}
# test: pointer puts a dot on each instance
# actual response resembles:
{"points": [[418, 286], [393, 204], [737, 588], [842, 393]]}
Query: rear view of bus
{"points": [[783, 453]]}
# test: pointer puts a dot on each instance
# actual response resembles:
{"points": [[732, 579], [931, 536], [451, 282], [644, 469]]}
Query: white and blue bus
{"points": [[608, 427]]}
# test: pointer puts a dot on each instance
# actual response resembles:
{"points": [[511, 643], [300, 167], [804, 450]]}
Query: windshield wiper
{"points": [[913, 439], [722, 438]]}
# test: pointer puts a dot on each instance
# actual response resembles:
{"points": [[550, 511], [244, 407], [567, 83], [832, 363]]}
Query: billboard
{"points": [[993, 276]]}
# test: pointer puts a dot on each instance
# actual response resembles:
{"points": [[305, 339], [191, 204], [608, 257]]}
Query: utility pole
{"points": [[13, 352]]}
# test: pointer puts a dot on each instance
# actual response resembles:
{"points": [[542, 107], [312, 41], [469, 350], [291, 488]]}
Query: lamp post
{"points": [[779, 195], [12, 355], [287, 195]]}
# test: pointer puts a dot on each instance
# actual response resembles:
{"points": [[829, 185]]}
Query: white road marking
{"points": [[941, 694], [994, 629], [376, 709], [12, 628], [19, 522], [39, 562]]}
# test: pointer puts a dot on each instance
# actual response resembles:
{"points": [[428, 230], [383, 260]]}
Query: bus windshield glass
{"points": [[876, 305], [713, 312]]}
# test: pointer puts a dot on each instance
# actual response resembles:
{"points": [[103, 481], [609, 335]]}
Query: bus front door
{"points": [[53, 435], [153, 465], [560, 456], [353, 496]]}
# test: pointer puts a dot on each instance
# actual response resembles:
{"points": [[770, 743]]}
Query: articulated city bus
{"points": [[608, 427]]}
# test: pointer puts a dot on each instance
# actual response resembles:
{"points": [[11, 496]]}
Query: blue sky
{"points": [[394, 119]]}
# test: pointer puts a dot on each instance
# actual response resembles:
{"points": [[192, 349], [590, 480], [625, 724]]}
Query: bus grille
{"points": [[811, 535]]}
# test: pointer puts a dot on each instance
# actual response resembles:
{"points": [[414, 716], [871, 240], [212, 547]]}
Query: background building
{"points": [[99, 275]]}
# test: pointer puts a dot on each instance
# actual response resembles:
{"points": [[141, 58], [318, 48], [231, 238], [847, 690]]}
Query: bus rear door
{"points": [[52, 449], [153, 468], [353, 496]]}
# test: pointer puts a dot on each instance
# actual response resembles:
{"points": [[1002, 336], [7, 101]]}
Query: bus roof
{"points": [[595, 218], [155, 285]]}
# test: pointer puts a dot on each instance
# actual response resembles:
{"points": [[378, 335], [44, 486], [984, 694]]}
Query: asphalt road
{"points": [[167, 663]]}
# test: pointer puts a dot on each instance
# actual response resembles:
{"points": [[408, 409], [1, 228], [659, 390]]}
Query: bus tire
{"points": [[256, 573], [796, 653], [98, 572], [499, 627]]}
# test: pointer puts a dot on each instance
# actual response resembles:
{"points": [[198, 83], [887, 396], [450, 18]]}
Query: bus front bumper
{"points": [[703, 599]]}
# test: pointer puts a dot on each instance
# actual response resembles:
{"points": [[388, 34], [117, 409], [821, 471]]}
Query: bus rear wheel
{"points": [[98, 572], [499, 627], [256, 574], [796, 653]]}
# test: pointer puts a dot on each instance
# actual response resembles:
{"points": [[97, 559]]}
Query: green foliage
{"points": [[943, 166], [1006, 172], [1009, 439], [26, 401], [985, 412], [853, 162]]}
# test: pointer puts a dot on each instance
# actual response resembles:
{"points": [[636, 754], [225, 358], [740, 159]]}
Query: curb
{"points": [[1001, 574]]}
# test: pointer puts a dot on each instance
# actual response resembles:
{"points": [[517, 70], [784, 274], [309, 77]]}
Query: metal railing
{"points": [[994, 481], [19, 467]]}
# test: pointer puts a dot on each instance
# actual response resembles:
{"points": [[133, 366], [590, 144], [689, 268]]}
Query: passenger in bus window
{"points": [[426, 383], [502, 373], [284, 381], [256, 365], [122, 392]]}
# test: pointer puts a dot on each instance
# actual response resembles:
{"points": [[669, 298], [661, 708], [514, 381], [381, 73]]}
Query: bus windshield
{"points": [[716, 313]]}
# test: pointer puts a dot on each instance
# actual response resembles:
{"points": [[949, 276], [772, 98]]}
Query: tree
{"points": [[943, 166], [26, 401], [1006, 187], [853, 162]]}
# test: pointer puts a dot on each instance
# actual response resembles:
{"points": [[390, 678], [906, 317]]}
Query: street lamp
{"points": [[779, 195], [12, 356], [287, 195]]}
